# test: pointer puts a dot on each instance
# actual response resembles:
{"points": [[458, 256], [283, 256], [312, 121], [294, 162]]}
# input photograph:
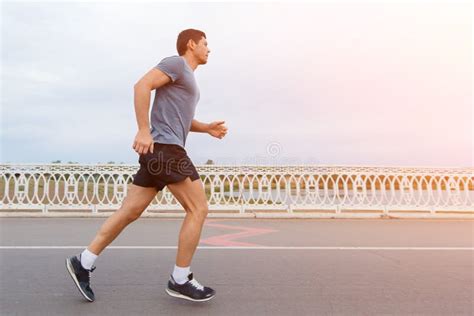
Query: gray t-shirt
{"points": [[175, 103]]}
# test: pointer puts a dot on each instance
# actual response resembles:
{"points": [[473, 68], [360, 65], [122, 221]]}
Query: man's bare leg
{"points": [[190, 194], [79, 267], [137, 200], [182, 283]]}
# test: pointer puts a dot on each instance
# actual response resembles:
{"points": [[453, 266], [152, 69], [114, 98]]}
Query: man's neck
{"points": [[191, 61]]}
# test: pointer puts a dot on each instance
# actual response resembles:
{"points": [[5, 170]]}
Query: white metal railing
{"points": [[97, 187]]}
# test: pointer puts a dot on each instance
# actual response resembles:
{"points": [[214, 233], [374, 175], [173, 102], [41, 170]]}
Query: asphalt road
{"points": [[256, 266]]}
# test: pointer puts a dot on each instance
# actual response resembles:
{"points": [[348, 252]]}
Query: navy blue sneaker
{"points": [[191, 290], [81, 277]]}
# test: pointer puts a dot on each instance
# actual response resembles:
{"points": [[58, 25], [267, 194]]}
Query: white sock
{"points": [[87, 259], [180, 274]]}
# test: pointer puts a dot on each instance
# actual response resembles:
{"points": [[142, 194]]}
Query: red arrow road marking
{"points": [[229, 239]]}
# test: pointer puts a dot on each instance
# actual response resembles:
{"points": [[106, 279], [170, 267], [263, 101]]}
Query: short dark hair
{"points": [[185, 36]]}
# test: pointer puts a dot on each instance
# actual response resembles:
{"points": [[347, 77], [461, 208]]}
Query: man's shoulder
{"points": [[173, 66], [173, 59]]}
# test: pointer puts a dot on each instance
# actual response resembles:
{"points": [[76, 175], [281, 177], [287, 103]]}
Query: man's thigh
{"points": [[138, 198], [190, 194]]}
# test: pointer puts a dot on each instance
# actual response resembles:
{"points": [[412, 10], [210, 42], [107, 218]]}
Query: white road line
{"points": [[245, 248]]}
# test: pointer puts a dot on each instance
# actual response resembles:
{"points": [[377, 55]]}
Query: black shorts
{"points": [[167, 164]]}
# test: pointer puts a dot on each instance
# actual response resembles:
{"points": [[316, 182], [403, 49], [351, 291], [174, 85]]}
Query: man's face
{"points": [[201, 51]]}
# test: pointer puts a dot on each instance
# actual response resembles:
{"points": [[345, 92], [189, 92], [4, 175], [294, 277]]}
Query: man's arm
{"points": [[153, 79], [216, 129], [199, 127]]}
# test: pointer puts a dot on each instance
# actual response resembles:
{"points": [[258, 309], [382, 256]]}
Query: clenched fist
{"points": [[217, 129], [143, 142]]}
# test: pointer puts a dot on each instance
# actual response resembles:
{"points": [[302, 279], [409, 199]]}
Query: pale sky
{"points": [[331, 83]]}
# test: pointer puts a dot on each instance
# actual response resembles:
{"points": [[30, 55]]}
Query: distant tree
{"points": [[111, 162], [209, 162], [56, 161], [72, 162]]}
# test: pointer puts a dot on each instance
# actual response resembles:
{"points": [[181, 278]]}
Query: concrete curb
{"points": [[107, 214], [257, 215]]}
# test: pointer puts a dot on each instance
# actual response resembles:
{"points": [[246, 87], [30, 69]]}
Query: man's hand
{"points": [[143, 142], [217, 129]]}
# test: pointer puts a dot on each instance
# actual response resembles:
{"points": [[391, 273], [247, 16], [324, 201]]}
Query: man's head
{"points": [[193, 42]]}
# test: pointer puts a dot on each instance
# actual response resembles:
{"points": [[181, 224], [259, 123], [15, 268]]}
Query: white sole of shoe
{"points": [[76, 281], [178, 295]]}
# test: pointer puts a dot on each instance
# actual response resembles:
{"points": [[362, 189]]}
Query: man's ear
{"points": [[191, 44]]}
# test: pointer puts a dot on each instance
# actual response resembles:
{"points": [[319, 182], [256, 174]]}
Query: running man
{"points": [[163, 162]]}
